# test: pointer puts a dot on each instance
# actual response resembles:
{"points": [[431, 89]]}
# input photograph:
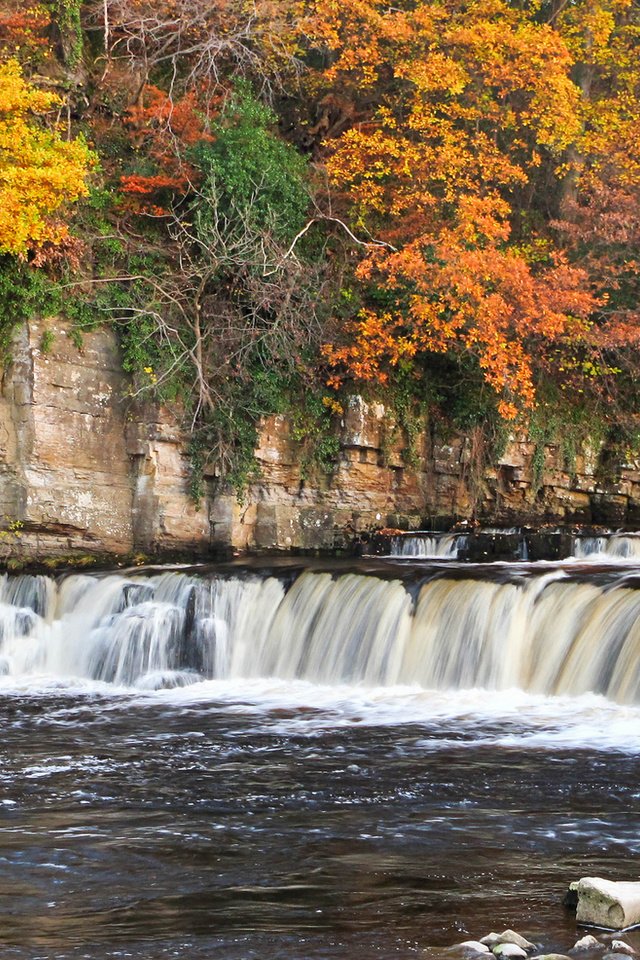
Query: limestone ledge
{"points": [[87, 469]]}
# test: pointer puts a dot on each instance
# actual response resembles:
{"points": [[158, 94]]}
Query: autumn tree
{"points": [[39, 171], [599, 217], [454, 110]]}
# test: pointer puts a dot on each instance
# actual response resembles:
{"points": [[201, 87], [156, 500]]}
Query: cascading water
{"points": [[428, 545], [545, 633], [508, 542], [613, 546]]}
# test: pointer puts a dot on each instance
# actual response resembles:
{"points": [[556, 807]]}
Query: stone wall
{"points": [[87, 469]]}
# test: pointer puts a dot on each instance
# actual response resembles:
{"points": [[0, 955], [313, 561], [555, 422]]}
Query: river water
{"points": [[288, 800]]}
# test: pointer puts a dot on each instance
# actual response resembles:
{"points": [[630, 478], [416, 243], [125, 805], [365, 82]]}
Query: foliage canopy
{"points": [[297, 197]]}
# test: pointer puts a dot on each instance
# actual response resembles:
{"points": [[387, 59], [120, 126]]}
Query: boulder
{"points": [[606, 903], [474, 946]]}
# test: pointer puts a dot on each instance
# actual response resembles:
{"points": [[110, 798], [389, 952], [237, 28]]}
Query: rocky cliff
{"points": [[87, 469]]}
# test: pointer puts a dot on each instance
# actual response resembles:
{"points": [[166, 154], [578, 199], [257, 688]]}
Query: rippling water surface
{"points": [[271, 820]]}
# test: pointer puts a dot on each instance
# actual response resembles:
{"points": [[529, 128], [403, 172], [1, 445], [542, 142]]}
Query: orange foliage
{"points": [[145, 186], [23, 29], [158, 116], [468, 100], [161, 128]]}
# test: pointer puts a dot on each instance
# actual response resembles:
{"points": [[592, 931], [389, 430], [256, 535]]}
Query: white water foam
{"points": [[444, 720]]}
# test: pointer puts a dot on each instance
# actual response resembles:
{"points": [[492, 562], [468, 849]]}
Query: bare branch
{"points": [[199, 40], [326, 219]]}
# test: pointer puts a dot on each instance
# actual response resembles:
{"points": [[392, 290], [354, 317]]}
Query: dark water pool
{"points": [[154, 828]]}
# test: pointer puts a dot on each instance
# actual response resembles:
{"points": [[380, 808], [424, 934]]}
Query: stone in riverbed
{"points": [[491, 939], [474, 946], [510, 936], [507, 936], [550, 956], [587, 943], [606, 903], [616, 956], [619, 946], [509, 951]]}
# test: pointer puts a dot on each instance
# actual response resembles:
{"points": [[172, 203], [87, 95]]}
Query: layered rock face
{"points": [[65, 480], [87, 468], [81, 471]]}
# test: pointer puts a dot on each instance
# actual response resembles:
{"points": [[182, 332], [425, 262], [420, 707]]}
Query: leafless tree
{"points": [[198, 41], [227, 300]]}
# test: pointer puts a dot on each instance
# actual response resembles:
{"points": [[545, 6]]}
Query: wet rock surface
{"points": [[621, 946], [510, 951]]}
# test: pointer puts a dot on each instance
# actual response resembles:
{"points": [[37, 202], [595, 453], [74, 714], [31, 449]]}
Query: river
{"points": [[284, 763]]}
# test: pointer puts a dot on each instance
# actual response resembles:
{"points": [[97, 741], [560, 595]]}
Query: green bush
{"points": [[253, 180], [24, 293]]}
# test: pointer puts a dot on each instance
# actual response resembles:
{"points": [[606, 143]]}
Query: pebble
{"points": [[551, 956], [510, 945], [491, 939], [621, 947], [510, 936], [510, 951], [587, 943]]}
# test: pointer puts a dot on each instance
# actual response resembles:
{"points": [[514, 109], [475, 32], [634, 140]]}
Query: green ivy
{"points": [[47, 340], [314, 428], [24, 293], [567, 426], [67, 15], [539, 434], [252, 178]]}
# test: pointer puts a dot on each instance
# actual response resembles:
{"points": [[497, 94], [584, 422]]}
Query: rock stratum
{"points": [[85, 468]]}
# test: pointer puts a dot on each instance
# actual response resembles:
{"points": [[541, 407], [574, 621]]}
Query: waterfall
{"points": [[615, 546], [428, 545], [487, 543], [551, 633]]}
